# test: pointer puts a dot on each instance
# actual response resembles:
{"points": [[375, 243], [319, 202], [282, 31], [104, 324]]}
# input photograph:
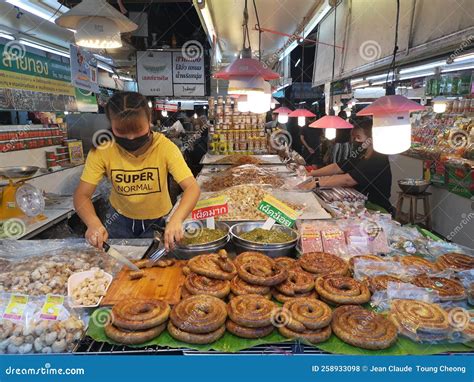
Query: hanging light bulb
{"points": [[439, 104], [337, 107], [283, 113], [195, 116], [330, 133], [260, 102], [242, 104], [348, 111], [301, 121], [391, 131], [204, 107], [301, 114], [331, 123], [164, 113], [282, 118], [150, 104]]}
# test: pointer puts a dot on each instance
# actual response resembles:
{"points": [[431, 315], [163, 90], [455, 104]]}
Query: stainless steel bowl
{"points": [[413, 186], [272, 250], [189, 251], [18, 172]]}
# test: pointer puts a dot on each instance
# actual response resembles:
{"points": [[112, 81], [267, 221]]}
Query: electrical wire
{"points": [[259, 32], [395, 49]]}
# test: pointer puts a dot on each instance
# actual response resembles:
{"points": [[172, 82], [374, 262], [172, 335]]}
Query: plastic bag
{"points": [[40, 267], [47, 325]]}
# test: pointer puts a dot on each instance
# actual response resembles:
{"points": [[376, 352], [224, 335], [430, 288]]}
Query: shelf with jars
{"points": [[234, 132]]}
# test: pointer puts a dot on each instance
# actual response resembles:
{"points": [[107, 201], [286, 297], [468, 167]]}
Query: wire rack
{"points": [[88, 346]]}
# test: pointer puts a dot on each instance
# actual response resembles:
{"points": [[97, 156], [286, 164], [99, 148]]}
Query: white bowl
{"points": [[79, 277]]}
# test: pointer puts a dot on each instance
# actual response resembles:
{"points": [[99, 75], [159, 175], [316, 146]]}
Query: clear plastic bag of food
{"points": [[39, 267], [38, 324]]}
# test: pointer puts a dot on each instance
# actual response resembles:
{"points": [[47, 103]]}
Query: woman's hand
{"points": [[173, 233], [96, 235]]}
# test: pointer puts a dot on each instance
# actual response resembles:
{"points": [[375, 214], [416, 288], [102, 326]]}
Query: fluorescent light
{"points": [[297, 62], [35, 10], [6, 36], [43, 47], [422, 67], [123, 78], [281, 87], [464, 57], [466, 67], [379, 76], [105, 67], [378, 82], [356, 80], [211, 30], [416, 75]]}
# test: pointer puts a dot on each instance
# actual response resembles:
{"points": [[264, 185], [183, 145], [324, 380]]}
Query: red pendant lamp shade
{"points": [[301, 113], [282, 110], [389, 105], [331, 122]]}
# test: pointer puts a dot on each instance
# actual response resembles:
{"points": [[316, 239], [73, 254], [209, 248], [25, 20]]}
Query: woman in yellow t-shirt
{"points": [[137, 162]]}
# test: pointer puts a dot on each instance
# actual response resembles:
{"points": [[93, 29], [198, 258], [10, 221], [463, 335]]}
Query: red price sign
{"points": [[210, 208]]}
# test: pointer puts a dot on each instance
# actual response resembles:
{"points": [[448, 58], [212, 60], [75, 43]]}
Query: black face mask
{"points": [[358, 150], [134, 144]]}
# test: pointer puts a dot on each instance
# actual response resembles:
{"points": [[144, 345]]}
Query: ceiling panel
{"points": [[280, 15]]}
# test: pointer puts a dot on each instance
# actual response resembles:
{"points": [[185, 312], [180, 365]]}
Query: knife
{"points": [[119, 257]]}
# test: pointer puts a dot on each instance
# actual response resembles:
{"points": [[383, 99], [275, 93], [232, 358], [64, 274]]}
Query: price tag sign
{"points": [[52, 307], [277, 212], [210, 208], [16, 307]]}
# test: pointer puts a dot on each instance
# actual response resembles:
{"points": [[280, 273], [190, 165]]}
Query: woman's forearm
{"points": [[332, 169], [86, 211], [188, 201], [342, 180]]}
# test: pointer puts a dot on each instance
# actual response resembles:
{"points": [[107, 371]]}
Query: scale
{"points": [[18, 198]]}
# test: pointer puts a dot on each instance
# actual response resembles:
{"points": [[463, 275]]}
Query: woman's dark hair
{"points": [[363, 123], [126, 109]]}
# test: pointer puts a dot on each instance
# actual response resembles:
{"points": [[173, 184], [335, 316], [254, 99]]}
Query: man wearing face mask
{"points": [[366, 170], [137, 161]]}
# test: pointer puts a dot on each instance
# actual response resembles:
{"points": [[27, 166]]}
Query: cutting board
{"points": [[158, 283]]}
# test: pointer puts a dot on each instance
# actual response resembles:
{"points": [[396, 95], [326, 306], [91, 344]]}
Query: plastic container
{"points": [[76, 278]]}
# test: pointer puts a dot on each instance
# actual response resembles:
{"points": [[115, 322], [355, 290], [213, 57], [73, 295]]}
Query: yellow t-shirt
{"points": [[139, 184]]}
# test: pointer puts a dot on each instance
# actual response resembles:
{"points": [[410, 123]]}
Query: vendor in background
{"points": [[366, 170], [311, 144], [137, 162]]}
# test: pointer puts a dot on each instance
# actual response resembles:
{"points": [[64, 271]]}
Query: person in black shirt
{"points": [[311, 144], [366, 170]]}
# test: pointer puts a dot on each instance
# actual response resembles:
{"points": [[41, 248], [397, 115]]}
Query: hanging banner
{"points": [[155, 73], [188, 70], [32, 82], [83, 69]]}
